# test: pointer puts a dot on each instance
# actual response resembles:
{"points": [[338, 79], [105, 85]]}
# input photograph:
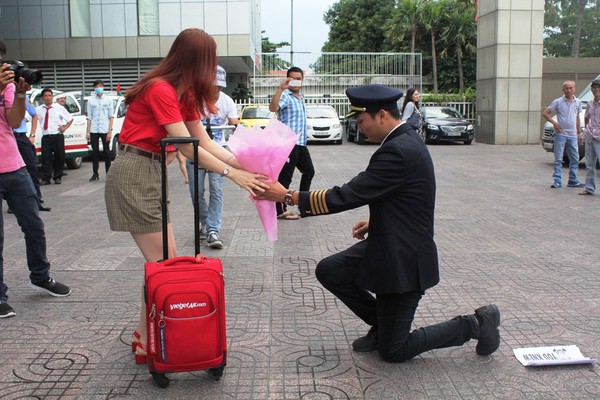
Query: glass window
{"points": [[148, 17], [79, 15]]}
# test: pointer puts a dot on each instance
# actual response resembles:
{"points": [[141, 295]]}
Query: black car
{"points": [[445, 124]]}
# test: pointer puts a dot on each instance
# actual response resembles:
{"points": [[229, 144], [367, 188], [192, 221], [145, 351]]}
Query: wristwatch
{"points": [[225, 171], [288, 199]]}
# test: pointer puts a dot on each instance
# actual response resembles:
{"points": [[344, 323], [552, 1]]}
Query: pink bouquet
{"points": [[264, 151]]}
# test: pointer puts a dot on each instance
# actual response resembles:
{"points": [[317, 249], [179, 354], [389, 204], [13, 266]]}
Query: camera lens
{"points": [[32, 76]]}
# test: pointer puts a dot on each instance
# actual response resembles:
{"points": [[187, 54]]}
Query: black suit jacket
{"points": [[399, 254]]}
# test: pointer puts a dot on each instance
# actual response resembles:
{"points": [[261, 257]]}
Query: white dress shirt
{"points": [[57, 114]]}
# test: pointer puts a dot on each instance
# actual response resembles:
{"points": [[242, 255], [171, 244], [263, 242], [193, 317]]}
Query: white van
{"points": [[76, 147]]}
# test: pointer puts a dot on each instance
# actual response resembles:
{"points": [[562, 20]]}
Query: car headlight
{"points": [[433, 127], [336, 126], [470, 127]]}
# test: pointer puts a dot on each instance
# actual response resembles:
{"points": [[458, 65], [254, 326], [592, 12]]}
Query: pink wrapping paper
{"points": [[264, 151]]}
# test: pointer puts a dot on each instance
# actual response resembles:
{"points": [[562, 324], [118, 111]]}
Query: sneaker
{"points": [[9, 211], [57, 181], [556, 185], [203, 233], [488, 318], [52, 287], [214, 241], [366, 343], [6, 310], [576, 184], [45, 182]]}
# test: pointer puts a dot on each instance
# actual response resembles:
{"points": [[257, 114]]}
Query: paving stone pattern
{"points": [[503, 236]]}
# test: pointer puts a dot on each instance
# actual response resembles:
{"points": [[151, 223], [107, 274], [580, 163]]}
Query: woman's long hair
{"points": [[408, 98], [192, 59]]}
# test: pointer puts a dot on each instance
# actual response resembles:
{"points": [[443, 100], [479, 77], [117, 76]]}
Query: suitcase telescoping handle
{"points": [[163, 144]]}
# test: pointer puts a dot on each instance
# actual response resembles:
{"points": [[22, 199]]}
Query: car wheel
{"points": [[360, 138], [468, 141], [74, 163], [115, 148]]}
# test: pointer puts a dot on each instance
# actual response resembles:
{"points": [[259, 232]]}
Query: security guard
{"points": [[398, 261]]}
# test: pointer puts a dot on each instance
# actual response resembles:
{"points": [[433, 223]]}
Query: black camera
{"points": [[31, 76]]}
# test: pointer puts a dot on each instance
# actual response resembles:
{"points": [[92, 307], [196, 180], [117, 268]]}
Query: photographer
{"points": [[16, 187]]}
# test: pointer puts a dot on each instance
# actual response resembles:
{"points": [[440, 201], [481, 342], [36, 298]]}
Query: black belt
{"points": [[19, 133], [127, 148]]}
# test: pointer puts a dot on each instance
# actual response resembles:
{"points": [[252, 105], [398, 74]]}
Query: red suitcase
{"points": [[185, 304]]}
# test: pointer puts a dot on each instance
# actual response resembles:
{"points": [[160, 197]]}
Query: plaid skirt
{"points": [[132, 194]]}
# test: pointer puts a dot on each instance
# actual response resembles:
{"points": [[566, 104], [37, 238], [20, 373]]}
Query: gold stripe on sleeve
{"points": [[318, 204]]}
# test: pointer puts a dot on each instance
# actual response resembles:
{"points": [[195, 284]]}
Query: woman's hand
{"points": [[360, 229], [249, 181]]}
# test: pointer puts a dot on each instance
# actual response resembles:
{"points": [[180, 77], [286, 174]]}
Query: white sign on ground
{"points": [[552, 355]]}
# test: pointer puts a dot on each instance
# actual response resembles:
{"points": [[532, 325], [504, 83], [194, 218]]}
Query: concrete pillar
{"points": [[509, 71]]}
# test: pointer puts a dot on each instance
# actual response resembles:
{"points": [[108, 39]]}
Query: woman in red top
{"points": [[165, 102]]}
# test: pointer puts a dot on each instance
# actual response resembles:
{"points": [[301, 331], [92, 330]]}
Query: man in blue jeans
{"points": [[16, 187], [210, 214], [567, 128]]}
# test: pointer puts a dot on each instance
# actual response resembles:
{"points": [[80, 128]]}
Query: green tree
{"points": [[357, 25], [570, 28], [270, 60], [405, 21], [459, 34], [432, 21]]}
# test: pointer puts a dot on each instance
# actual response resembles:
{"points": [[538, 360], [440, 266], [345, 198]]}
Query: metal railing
{"points": [[342, 105]]}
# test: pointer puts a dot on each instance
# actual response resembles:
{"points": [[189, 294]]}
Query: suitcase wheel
{"points": [[217, 372], [161, 379]]}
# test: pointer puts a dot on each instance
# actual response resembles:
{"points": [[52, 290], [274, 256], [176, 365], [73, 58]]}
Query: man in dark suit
{"points": [[398, 261]]}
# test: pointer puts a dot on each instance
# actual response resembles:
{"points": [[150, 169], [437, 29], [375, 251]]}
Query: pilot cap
{"points": [[596, 82], [372, 98]]}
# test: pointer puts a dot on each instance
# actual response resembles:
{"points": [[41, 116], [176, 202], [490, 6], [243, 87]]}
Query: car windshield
{"points": [[442, 113], [256, 113], [320, 112]]}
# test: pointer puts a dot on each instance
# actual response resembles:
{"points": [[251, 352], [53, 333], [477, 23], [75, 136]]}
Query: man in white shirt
{"points": [[54, 120], [210, 214], [99, 127]]}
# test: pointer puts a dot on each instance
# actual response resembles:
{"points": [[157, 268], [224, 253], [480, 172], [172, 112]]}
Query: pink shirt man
{"points": [[10, 158]]}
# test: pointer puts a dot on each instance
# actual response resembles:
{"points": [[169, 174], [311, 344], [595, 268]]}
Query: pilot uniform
{"points": [[398, 261]]}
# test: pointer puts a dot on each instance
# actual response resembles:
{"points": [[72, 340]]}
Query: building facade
{"points": [[75, 42]]}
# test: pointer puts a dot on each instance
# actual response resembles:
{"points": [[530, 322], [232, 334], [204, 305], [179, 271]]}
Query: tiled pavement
{"points": [[503, 235]]}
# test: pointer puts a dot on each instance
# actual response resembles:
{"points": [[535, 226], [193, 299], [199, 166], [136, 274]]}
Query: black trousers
{"points": [[94, 138], [392, 314], [53, 156], [299, 158], [27, 151]]}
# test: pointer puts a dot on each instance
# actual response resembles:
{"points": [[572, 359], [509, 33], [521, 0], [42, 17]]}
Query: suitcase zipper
{"points": [[161, 326]]}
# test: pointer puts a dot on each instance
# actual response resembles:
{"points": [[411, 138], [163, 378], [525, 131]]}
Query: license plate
{"points": [[453, 133]]}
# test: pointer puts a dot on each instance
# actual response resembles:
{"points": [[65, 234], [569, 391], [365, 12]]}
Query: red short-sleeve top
{"points": [[156, 107]]}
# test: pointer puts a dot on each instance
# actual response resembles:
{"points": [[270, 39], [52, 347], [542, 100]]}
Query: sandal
{"points": [[288, 215], [135, 341], [140, 358], [585, 192]]}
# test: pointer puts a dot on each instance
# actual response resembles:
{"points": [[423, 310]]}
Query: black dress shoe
{"points": [[44, 208], [94, 177], [45, 182], [489, 335], [366, 343]]}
